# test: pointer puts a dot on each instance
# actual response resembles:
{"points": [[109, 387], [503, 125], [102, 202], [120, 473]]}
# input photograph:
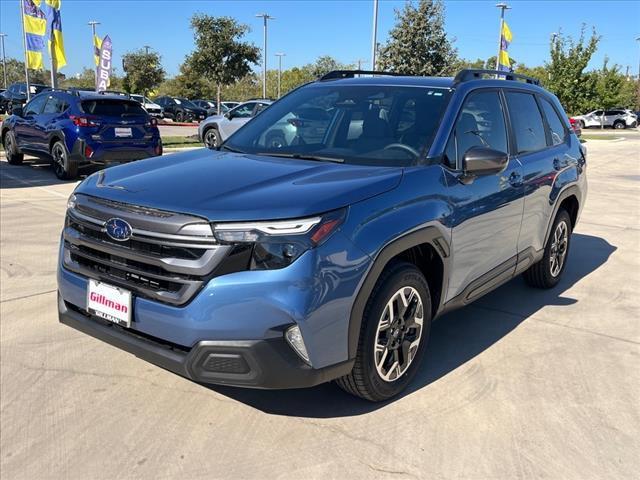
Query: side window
{"points": [[259, 108], [526, 121], [244, 111], [160, 101], [556, 125], [55, 105], [598, 113], [480, 123], [34, 107]]}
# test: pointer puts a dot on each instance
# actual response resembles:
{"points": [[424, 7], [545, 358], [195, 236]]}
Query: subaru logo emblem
{"points": [[118, 229]]}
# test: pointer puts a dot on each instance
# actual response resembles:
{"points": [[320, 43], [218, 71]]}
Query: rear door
{"points": [[122, 122], [543, 144], [47, 121]]}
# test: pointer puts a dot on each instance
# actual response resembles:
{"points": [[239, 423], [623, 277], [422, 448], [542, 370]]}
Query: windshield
{"points": [[366, 124], [138, 98], [186, 103]]}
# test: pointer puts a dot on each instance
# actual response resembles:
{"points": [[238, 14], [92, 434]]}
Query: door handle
{"points": [[559, 164], [515, 179]]}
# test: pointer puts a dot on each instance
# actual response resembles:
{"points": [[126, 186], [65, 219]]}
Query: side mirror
{"points": [[17, 111], [484, 161], [228, 115]]}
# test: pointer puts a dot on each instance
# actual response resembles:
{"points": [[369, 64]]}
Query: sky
{"points": [[306, 29]]}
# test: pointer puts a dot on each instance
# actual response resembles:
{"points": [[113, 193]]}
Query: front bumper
{"points": [[268, 364]]}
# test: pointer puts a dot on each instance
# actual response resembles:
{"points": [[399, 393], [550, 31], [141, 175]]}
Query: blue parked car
{"points": [[76, 129], [327, 255]]}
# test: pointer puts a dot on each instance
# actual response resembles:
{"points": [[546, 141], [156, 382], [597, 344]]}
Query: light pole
{"points": [[264, 17], [93, 24], [374, 35], [502, 7], [280, 55], [146, 49], [638, 40], [360, 61], [554, 35], [4, 60]]}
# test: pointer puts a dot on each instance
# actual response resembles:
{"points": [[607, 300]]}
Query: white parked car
{"points": [[616, 118], [217, 128], [153, 109]]}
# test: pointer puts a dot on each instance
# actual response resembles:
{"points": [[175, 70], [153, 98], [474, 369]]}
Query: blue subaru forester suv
{"points": [[78, 129], [326, 256]]}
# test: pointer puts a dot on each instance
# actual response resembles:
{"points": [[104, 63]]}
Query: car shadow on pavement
{"points": [[32, 173], [455, 339]]}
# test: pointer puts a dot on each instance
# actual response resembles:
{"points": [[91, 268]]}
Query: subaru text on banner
{"points": [[386, 202]]}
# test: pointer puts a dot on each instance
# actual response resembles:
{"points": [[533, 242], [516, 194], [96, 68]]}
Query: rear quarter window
{"points": [[112, 108], [556, 125]]}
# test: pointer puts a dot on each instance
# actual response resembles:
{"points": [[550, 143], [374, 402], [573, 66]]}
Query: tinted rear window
{"points": [[526, 121], [112, 108]]}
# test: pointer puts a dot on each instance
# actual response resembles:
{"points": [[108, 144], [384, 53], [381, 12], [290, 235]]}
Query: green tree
{"points": [[220, 55], [143, 72], [566, 70], [187, 84], [418, 44], [15, 73], [610, 87]]}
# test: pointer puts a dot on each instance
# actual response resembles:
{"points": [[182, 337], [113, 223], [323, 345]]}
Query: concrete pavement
{"points": [[522, 384]]}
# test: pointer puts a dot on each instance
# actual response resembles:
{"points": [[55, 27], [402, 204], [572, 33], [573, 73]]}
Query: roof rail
{"points": [[337, 74], [114, 92], [474, 74]]}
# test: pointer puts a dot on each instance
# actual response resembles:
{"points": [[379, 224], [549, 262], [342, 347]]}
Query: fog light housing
{"points": [[295, 340]]}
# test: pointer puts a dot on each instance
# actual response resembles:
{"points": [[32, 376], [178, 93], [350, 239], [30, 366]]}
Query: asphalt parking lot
{"points": [[522, 384]]}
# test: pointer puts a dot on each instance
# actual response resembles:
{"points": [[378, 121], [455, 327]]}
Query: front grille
{"points": [[157, 262]]}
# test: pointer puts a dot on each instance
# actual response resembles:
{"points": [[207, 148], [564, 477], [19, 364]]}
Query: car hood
{"points": [[223, 186], [152, 105]]}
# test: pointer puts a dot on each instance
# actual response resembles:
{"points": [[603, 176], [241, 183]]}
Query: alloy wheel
{"points": [[559, 248], [8, 144], [398, 334], [211, 140], [58, 155]]}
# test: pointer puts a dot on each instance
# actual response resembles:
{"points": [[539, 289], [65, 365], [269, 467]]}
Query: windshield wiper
{"points": [[229, 149], [302, 156]]}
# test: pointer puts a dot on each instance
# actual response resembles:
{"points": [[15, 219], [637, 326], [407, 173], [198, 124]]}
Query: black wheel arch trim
{"points": [[430, 235], [571, 190]]}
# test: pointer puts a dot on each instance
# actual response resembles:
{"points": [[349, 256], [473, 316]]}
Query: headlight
{"points": [[71, 202], [277, 244]]}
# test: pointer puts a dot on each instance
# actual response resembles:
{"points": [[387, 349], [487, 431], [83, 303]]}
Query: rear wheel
{"points": [[547, 272], [395, 331], [179, 117], [64, 167], [212, 138], [14, 157]]}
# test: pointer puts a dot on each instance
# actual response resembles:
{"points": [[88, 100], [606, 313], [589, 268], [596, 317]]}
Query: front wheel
{"points": [[64, 167], [394, 334], [179, 117], [547, 272], [14, 157], [619, 125], [212, 139]]}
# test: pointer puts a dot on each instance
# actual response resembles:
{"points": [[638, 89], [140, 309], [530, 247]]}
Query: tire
{"points": [[582, 125], [372, 364], [211, 138], [14, 157], [546, 273], [619, 125], [179, 117], [63, 166], [276, 140]]}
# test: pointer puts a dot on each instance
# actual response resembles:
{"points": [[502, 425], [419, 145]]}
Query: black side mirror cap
{"points": [[479, 161]]}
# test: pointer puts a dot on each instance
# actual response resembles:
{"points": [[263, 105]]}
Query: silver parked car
{"points": [[616, 118], [217, 128]]}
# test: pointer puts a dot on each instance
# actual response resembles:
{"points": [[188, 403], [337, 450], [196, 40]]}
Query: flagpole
{"points": [[24, 46], [93, 24], [502, 7]]}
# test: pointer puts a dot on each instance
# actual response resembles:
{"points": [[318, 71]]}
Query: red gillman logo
{"points": [[102, 300]]}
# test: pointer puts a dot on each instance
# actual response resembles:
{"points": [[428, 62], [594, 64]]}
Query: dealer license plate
{"points": [[123, 132], [109, 302]]}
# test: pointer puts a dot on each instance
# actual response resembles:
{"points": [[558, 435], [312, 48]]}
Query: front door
{"points": [[488, 210], [26, 128]]}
